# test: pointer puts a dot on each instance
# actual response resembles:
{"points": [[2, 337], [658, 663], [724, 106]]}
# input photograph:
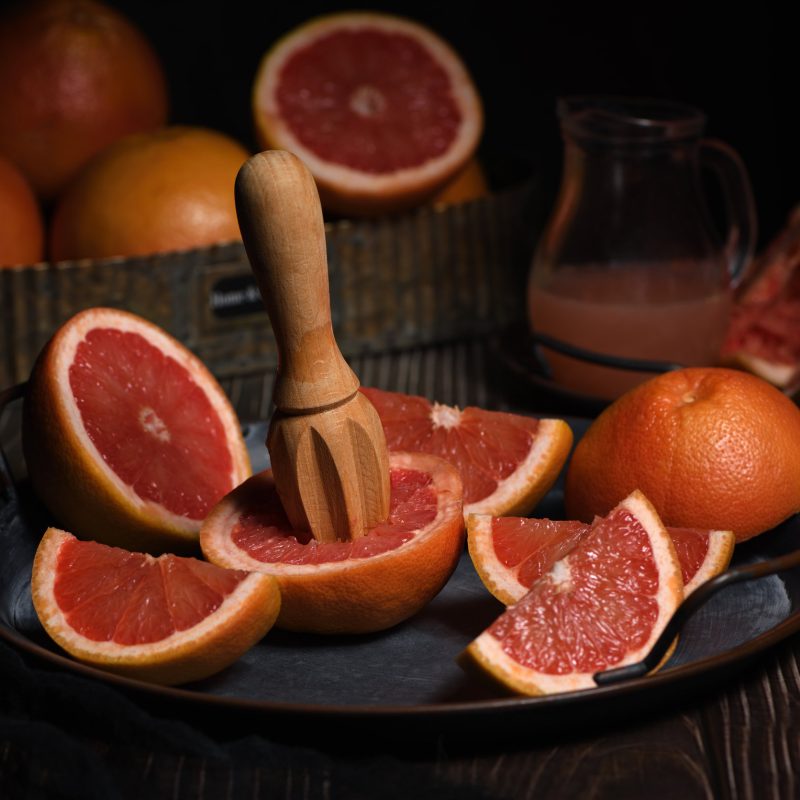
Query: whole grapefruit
{"points": [[21, 226], [75, 75], [151, 192], [710, 447]]}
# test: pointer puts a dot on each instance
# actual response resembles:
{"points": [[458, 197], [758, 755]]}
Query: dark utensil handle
{"points": [[688, 607]]}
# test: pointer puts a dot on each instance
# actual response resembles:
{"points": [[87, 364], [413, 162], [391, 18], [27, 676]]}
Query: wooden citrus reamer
{"points": [[325, 440]]}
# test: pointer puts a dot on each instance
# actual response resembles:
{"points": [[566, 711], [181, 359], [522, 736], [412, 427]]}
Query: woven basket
{"points": [[434, 275]]}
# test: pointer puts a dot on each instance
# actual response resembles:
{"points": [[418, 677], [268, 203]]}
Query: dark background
{"points": [[740, 65]]}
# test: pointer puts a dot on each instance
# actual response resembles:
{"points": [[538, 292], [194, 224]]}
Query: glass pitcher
{"points": [[630, 265]]}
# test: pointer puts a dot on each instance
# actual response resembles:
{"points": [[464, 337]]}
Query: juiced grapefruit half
{"points": [[602, 606], [166, 620], [508, 462], [511, 553], [360, 586], [128, 438], [381, 109]]}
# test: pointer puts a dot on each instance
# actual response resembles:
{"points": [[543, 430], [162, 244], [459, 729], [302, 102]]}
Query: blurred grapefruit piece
{"points": [[369, 584], [127, 437], [469, 184], [511, 553], [764, 332], [602, 606], [508, 462], [711, 448], [21, 224], [149, 193], [381, 109], [166, 620], [75, 75]]}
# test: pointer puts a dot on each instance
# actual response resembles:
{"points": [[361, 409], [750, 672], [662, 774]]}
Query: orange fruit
{"points": [[151, 192], [711, 448], [469, 184], [21, 225], [602, 606], [127, 437], [166, 620], [75, 75], [508, 462], [359, 586], [511, 553], [381, 110]]}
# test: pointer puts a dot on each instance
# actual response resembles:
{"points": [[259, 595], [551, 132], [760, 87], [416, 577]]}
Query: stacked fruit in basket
{"points": [[93, 165]]}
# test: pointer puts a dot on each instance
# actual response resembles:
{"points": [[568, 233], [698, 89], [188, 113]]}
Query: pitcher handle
{"points": [[739, 205]]}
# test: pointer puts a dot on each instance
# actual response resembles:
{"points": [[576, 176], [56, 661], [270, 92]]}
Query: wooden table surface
{"points": [[737, 738]]}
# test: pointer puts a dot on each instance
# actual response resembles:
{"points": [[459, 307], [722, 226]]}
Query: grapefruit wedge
{"points": [[165, 620], [511, 553], [602, 606], [381, 110], [128, 438], [360, 586], [508, 462]]}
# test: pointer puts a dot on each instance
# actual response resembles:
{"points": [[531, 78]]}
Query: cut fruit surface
{"points": [[508, 462], [368, 584], [166, 620], [602, 606], [381, 109], [511, 553], [127, 437], [702, 554]]}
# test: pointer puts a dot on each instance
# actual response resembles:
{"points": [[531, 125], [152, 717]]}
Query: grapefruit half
{"points": [[381, 110], [360, 586], [602, 606], [128, 438], [166, 620], [508, 462]]}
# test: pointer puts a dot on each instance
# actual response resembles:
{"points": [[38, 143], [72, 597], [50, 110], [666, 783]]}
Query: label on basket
{"points": [[235, 296]]}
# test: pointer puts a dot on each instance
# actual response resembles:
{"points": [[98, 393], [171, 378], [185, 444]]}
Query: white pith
{"points": [[444, 416]]}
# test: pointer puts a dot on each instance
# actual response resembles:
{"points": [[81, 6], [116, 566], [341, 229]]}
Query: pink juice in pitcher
{"points": [[673, 318]]}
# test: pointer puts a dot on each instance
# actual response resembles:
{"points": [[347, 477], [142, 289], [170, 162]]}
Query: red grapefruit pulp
{"points": [[143, 411]]}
